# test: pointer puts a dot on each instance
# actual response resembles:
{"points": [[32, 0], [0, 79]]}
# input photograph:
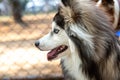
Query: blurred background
{"points": [[21, 23]]}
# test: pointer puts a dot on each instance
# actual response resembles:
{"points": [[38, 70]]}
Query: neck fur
{"points": [[71, 65]]}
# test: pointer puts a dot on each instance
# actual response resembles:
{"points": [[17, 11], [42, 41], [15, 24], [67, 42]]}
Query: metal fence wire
{"points": [[19, 58]]}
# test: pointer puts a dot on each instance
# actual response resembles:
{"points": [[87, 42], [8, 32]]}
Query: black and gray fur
{"points": [[101, 62]]}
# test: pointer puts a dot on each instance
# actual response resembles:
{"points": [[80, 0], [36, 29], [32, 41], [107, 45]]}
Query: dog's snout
{"points": [[37, 43]]}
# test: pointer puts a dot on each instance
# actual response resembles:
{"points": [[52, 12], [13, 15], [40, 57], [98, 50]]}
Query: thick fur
{"points": [[112, 8], [93, 50], [99, 55]]}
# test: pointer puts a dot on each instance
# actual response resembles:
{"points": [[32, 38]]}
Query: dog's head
{"points": [[76, 21], [56, 41]]}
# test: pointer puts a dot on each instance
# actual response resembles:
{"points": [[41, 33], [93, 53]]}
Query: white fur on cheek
{"points": [[82, 34]]}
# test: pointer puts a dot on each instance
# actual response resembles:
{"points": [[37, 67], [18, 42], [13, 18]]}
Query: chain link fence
{"points": [[19, 58]]}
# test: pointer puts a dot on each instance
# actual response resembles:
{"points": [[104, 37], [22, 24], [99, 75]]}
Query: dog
{"points": [[83, 37]]}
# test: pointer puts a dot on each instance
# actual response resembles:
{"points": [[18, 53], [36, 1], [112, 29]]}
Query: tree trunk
{"points": [[17, 11]]}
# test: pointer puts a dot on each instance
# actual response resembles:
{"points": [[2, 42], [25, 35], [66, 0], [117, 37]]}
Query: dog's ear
{"points": [[66, 2]]}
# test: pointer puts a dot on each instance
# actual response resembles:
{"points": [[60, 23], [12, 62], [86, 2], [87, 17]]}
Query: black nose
{"points": [[37, 43]]}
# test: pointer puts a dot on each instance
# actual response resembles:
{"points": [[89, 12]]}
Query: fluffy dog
{"points": [[82, 36]]}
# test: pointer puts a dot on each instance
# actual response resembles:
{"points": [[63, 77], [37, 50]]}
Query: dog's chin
{"points": [[54, 53]]}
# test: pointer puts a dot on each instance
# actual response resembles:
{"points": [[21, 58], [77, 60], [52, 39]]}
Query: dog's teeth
{"points": [[61, 48], [58, 49]]}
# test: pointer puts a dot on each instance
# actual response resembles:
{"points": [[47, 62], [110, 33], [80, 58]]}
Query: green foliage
{"points": [[23, 3], [0, 0]]}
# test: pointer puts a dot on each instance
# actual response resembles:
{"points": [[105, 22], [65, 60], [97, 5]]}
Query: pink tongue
{"points": [[51, 54]]}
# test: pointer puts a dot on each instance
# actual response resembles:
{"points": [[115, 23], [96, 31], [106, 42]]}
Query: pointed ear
{"points": [[66, 2]]}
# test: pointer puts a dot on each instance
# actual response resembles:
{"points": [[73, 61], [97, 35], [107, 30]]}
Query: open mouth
{"points": [[54, 52]]}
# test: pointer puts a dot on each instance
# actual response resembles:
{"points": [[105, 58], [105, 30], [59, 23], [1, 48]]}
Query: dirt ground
{"points": [[19, 58]]}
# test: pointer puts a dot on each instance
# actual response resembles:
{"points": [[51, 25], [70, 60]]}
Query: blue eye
{"points": [[56, 31]]}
